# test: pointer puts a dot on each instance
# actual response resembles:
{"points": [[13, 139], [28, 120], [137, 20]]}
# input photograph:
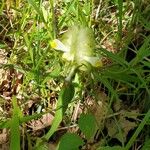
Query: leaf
{"points": [[36, 8], [138, 130], [42, 147], [53, 74], [70, 141], [120, 129], [87, 124], [143, 52], [115, 58], [65, 96], [146, 145], [14, 128], [124, 76], [107, 83], [64, 17], [5, 124], [99, 108]]}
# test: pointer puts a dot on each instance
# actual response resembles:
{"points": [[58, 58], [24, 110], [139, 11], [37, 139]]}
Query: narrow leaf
{"points": [[65, 96], [34, 5], [138, 130], [14, 128]]}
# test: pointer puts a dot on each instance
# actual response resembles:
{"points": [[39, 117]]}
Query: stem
{"points": [[71, 74]]}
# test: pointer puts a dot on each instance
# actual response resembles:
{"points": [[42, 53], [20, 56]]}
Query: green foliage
{"points": [[138, 130], [143, 52], [70, 141], [14, 127], [65, 97], [87, 124], [146, 145], [42, 147], [119, 27]]}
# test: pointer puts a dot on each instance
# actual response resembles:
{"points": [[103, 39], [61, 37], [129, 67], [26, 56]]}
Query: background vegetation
{"points": [[104, 108]]}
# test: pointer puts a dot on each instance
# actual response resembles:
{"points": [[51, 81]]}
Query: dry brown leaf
{"points": [[42, 123], [119, 129], [3, 136], [99, 108], [5, 146]]}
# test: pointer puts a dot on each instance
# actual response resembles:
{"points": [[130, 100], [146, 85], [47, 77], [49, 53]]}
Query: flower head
{"points": [[78, 46]]}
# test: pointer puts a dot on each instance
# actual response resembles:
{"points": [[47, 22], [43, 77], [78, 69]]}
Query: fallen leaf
{"points": [[42, 123], [119, 129]]}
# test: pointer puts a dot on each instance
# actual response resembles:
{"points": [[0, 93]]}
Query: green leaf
{"points": [[143, 52], [138, 130], [115, 58], [107, 83], [14, 128], [42, 147], [70, 141], [2, 45], [87, 124], [64, 17], [5, 124], [65, 96], [127, 78], [146, 145], [37, 9]]}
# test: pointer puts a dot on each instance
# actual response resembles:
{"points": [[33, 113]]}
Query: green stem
{"points": [[71, 74]]}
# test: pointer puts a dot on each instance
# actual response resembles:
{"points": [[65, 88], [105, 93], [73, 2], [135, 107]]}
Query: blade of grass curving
{"points": [[115, 57], [142, 80], [7, 123], [106, 83], [125, 78], [143, 52], [65, 96], [29, 118], [138, 130], [39, 12], [14, 128], [62, 20], [117, 72], [28, 44]]}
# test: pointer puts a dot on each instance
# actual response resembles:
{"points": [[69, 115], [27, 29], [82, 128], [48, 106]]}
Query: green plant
{"points": [[77, 86]]}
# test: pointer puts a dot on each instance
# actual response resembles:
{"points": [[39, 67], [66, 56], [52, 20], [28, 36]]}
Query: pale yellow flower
{"points": [[78, 45]]}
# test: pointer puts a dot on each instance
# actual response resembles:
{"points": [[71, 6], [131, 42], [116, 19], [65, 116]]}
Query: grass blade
{"points": [[34, 5], [120, 7], [66, 95], [138, 130], [14, 128]]}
